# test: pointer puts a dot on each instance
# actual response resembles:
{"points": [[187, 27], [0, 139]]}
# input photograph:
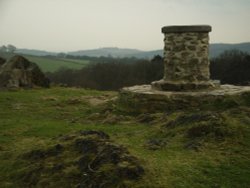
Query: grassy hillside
{"points": [[176, 149], [50, 64]]}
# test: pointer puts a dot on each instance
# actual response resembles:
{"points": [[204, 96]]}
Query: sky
{"points": [[69, 25]]}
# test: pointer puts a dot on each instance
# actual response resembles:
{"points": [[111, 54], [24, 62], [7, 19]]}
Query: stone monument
{"points": [[186, 59], [186, 82]]}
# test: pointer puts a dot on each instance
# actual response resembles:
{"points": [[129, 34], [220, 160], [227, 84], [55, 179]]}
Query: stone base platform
{"points": [[144, 99], [184, 86]]}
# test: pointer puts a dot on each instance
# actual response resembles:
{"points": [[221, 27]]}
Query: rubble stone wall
{"points": [[186, 56]]}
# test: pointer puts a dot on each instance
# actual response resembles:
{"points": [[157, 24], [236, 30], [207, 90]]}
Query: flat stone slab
{"points": [[143, 98], [187, 28]]}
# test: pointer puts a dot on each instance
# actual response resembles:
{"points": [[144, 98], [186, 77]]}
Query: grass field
{"points": [[53, 64], [176, 149]]}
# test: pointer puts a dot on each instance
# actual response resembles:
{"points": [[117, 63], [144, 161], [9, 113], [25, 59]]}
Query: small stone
{"points": [[193, 48], [193, 61]]}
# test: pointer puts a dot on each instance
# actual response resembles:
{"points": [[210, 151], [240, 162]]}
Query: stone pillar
{"points": [[186, 62]]}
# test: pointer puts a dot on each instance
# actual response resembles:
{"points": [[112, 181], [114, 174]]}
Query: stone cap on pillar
{"points": [[187, 29]]}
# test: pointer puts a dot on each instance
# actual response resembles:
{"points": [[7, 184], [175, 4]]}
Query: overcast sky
{"points": [[67, 25]]}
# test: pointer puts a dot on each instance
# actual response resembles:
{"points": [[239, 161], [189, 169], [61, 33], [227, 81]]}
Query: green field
{"points": [[179, 149], [50, 64]]}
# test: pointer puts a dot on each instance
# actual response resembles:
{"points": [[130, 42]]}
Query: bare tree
{"points": [[11, 48], [3, 48]]}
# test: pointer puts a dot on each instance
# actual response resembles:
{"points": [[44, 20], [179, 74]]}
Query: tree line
{"points": [[9, 48], [106, 73], [231, 67]]}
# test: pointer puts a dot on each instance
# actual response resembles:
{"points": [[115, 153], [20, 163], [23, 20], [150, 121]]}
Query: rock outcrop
{"points": [[19, 72]]}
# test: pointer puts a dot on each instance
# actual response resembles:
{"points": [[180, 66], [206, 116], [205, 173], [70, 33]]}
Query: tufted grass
{"points": [[30, 119]]}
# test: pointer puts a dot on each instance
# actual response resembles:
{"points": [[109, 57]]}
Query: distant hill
{"points": [[148, 54], [34, 52], [218, 48], [215, 50], [114, 52]]}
